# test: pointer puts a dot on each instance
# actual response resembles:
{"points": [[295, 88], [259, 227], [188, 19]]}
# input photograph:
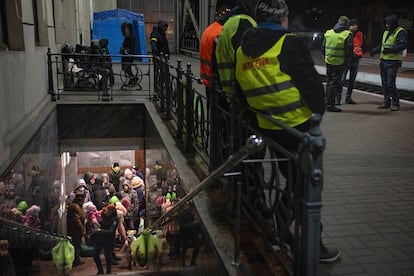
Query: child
{"points": [[93, 218]]}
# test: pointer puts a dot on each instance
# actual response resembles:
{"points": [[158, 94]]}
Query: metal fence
{"points": [[96, 76], [284, 207]]}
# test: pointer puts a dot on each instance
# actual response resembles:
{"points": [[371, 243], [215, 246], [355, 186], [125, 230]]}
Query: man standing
{"points": [[391, 47], [158, 38], [240, 19], [208, 42], [277, 76], [353, 63], [337, 47]]}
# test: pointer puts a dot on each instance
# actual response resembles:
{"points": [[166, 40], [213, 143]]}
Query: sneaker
{"points": [[395, 108], [332, 108], [328, 254], [384, 106], [350, 101]]}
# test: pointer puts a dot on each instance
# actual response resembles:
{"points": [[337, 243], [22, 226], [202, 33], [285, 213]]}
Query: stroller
{"points": [[84, 66]]}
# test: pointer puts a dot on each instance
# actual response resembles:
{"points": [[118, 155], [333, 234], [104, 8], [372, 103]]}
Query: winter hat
{"points": [[113, 199], [125, 202], [22, 207], [89, 207], [391, 19], [343, 20], [127, 172], [136, 182], [271, 10], [115, 166], [353, 21], [247, 5]]}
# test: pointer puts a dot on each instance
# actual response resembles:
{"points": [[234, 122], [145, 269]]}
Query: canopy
{"points": [[107, 24]]}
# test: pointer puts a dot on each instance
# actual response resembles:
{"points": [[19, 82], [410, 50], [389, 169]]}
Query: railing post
{"points": [[189, 108], [213, 128], [180, 100], [236, 261], [157, 78], [168, 88], [50, 76], [311, 153]]}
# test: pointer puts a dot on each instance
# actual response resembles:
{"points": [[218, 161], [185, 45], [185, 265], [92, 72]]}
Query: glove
{"points": [[386, 51]]}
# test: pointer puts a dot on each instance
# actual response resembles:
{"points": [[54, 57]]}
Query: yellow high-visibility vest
{"points": [[389, 42], [269, 90], [335, 46]]}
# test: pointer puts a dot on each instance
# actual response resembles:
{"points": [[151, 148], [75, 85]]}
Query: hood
{"points": [[249, 6], [126, 183], [161, 24], [339, 27]]}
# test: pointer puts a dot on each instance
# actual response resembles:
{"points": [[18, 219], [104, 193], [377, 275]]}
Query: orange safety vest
{"points": [[208, 37], [358, 42]]}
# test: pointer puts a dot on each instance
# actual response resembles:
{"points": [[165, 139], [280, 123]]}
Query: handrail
{"points": [[16, 225], [254, 144]]}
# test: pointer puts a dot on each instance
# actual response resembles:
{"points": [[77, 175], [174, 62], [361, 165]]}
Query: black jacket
{"points": [[295, 60], [158, 38]]}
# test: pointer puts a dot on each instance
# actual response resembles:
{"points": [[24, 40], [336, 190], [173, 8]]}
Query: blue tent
{"points": [[107, 24]]}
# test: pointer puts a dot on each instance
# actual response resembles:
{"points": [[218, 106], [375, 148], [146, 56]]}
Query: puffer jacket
{"points": [[132, 195]]}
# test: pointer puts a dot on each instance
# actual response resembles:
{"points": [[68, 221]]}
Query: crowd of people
{"points": [[102, 209]]}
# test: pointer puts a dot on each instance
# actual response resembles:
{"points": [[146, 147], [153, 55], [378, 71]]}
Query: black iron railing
{"points": [[97, 75], [285, 208]]}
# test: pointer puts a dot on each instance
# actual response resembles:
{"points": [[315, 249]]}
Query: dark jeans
{"points": [[107, 247], [126, 65], [352, 67], [389, 70], [333, 82]]}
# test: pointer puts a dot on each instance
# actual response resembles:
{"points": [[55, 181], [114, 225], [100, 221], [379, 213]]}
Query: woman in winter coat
{"points": [[75, 224], [132, 210], [103, 238]]}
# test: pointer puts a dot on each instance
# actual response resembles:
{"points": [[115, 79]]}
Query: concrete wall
{"points": [[24, 102]]}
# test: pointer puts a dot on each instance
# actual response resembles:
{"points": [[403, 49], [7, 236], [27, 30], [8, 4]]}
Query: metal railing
{"points": [[284, 207], [98, 76]]}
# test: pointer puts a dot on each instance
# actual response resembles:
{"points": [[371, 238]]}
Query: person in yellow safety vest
{"points": [[393, 43], [208, 41], [338, 47], [353, 63], [240, 19], [276, 73]]}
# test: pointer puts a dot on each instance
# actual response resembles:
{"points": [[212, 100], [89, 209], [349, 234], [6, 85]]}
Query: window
{"points": [[3, 27], [35, 22]]}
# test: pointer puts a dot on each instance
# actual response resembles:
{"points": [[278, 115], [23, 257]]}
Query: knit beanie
{"points": [[125, 202], [343, 20], [22, 207], [271, 10], [113, 199], [353, 21]]}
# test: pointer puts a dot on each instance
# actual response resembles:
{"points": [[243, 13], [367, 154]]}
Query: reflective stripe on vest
{"points": [[225, 51], [358, 42], [206, 52], [335, 46], [389, 43], [269, 90]]}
